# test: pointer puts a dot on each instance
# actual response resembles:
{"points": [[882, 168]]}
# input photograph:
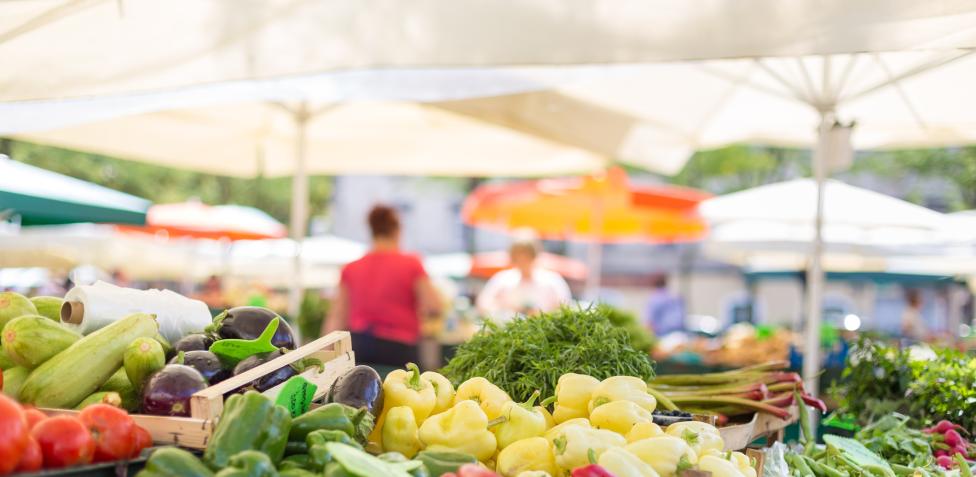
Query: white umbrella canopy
{"points": [[72, 48], [271, 261], [772, 226], [355, 138]]}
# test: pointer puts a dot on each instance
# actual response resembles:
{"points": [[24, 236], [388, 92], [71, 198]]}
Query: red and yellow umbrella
{"points": [[601, 208], [193, 219]]}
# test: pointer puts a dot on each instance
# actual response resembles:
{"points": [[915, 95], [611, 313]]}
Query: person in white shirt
{"points": [[523, 289]]}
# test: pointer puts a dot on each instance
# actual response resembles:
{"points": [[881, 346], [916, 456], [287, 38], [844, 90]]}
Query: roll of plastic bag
{"points": [[104, 303]]}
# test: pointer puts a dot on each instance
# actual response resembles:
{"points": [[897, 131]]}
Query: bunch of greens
{"points": [[892, 438], [531, 353], [641, 338], [927, 385]]}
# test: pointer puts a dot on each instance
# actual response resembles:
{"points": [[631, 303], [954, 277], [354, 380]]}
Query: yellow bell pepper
{"points": [[743, 463], [622, 388], [575, 443], [534, 473], [619, 416], [491, 398], [405, 388], [519, 421], [400, 432], [462, 428], [572, 396], [443, 390], [643, 430], [530, 454], [668, 455], [718, 466], [701, 436], [557, 430], [621, 463], [550, 422]]}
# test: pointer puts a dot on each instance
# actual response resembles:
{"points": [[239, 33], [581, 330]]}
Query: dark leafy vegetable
{"points": [[531, 353]]}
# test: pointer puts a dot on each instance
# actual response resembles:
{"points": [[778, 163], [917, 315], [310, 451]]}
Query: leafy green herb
{"points": [[531, 353]]}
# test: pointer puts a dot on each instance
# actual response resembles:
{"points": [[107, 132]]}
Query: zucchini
{"points": [[6, 362], [48, 307], [70, 376], [119, 383], [111, 398], [33, 339], [142, 357], [13, 380]]}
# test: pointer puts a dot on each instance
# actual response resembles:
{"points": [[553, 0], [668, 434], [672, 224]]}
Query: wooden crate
{"points": [[739, 436], [334, 350]]}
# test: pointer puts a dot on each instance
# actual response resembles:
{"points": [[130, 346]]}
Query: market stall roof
{"points": [[263, 137], [198, 220], [70, 48], [41, 197]]}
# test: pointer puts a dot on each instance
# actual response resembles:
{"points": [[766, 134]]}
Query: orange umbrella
{"points": [[193, 219], [603, 208], [600, 208], [486, 264]]}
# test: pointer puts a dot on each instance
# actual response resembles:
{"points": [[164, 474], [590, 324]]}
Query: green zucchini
{"points": [[142, 357], [6, 362], [13, 380], [69, 377], [33, 339], [111, 398], [119, 383], [48, 307]]}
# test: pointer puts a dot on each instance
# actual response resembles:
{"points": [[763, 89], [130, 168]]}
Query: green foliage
{"points": [[926, 385], [311, 315], [956, 165], [164, 185], [892, 438], [739, 167], [530, 353], [641, 338]]}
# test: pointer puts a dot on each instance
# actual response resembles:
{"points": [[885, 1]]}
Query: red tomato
{"points": [[142, 440], [113, 430], [31, 460], [64, 441], [33, 416], [13, 434]]}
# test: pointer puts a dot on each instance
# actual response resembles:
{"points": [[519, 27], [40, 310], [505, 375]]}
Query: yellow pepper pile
{"points": [[606, 422]]}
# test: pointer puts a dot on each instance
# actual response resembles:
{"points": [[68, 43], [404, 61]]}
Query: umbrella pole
{"points": [[299, 210], [815, 275]]}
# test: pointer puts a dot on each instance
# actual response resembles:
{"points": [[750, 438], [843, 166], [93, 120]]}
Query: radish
{"points": [[944, 426], [953, 439], [944, 461]]}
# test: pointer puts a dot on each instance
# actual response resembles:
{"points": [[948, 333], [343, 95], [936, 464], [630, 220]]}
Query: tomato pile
{"points": [[30, 440]]}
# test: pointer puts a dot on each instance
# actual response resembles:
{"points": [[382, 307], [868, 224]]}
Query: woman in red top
{"points": [[382, 297]]}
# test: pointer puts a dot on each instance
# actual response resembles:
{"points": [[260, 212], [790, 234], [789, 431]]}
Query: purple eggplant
{"points": [[269, 380], [206, 363], [168, 390], [248, 322], [194, 342], [359, 387]]}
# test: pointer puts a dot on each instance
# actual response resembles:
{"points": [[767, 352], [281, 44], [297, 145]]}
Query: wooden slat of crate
{"points": [[334, 350], [739, 436]]}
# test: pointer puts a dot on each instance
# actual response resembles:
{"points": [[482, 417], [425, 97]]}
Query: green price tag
{"points": [[234, 351], [296, 395]]}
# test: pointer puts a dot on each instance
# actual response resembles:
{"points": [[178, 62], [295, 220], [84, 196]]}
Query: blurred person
{"points": [[383, 297], [212, 293], [119, 278], [912, 326], [523, 289], [665, 310]]}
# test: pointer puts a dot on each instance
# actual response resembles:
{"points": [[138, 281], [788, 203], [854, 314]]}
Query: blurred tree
{"points": [[739, 167], [163, 184], [955, 165]]}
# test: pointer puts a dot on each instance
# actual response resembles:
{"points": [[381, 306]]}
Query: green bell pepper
{"points": [[297, 473], [319, 455], [297, 461], [170, 461], [442, 462], [295, 448], [332, 416], [250, 421], [249, 463]]}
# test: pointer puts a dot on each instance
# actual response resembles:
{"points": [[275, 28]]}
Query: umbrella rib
{"points": [[798, 95], [844, 76], [915, 71], [736, 83], [896, 84], [49, 16], [736, 79], [808, 82]]}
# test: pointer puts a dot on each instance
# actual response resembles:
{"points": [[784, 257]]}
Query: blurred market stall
{"points": [[217, 222], [34, 196], [600, 208]]}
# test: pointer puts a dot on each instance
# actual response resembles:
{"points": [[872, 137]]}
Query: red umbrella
{"points": [[193, 219]]}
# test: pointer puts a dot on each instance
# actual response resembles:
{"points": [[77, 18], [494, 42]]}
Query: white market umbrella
{"points": [[78, 48], [271, 261], [772, 226]]}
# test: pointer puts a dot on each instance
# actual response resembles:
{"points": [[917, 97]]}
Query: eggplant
{"points": [[269, 380], [168, 390], [248, 322], [359, 387], [194, 342], [207, 363]]}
